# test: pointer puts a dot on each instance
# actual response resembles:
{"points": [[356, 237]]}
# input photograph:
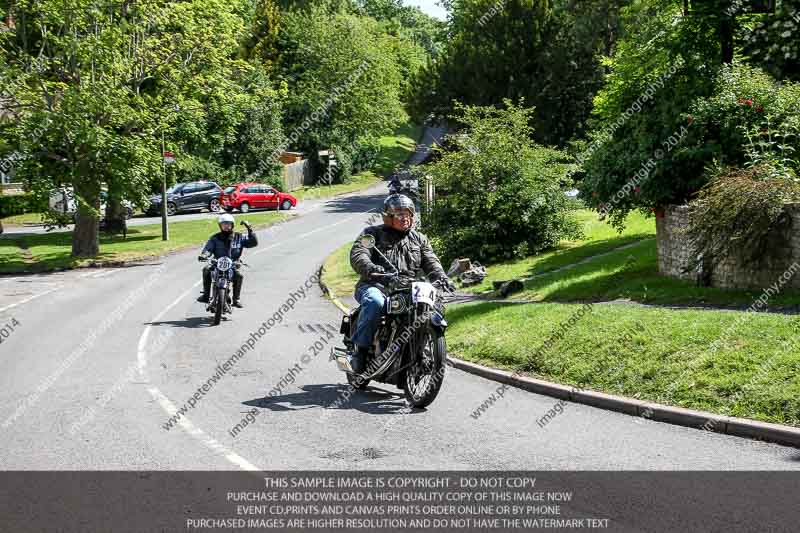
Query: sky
{"points": [[428, 6]]}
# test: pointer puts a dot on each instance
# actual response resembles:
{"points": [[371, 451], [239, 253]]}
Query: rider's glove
{"points": [[377, 269], [202, 257], [448, 283]]}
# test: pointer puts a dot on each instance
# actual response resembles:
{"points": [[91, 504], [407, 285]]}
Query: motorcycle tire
{"points": [[421, 399], [220, 305], [360, 384]]}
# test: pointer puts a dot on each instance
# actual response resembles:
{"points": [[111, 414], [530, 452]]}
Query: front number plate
{"points": [[423, 293]]}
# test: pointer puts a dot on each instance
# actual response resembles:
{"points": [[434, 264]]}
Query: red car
{"points": [[247, 196]]}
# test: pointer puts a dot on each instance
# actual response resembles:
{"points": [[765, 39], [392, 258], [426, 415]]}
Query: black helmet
{"points": [[398, 201]]}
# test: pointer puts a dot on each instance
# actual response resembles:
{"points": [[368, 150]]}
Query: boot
{"points": [[206, 286], [237, 292], [358, 360]]}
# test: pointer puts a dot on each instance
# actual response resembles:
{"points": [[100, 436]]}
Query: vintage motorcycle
{"points": [[409, 349], [222, 273]]}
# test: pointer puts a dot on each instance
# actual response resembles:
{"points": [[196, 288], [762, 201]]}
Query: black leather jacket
{"points": [[410, 252], [230, 244]]}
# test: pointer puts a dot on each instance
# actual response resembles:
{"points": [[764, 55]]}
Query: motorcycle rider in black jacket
{"points": [[407, 249], [227, 243]]}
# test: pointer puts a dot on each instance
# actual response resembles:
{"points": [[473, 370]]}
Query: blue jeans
{"points": [[372, 302]]}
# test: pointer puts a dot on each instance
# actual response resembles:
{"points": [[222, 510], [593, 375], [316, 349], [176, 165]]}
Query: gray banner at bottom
{"points": [[398, 501]]}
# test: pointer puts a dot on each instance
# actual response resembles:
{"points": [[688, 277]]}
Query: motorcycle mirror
{"points": [[367, 241]]}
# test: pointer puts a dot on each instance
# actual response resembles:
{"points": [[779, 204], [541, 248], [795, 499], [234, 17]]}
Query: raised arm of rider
{"points": [[250, 240]]}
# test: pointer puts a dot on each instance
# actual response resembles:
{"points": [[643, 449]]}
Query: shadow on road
{"points": [[357, 204], [193, 322], [373, 400]]}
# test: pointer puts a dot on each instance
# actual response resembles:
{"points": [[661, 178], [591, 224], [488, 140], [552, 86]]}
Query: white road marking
{"points": [[165, 402], [104, 273], [26, 300], [170, 408], [201, 435], [311, 232]]}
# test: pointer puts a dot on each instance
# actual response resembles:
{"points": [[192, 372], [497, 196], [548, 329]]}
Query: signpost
{"points": [[167, 159]]}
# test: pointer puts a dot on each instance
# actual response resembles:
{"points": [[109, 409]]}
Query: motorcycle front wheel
{"points": [[220, 305], [424, 378]]}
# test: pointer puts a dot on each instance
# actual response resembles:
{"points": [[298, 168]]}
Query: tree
{"points": [[547, 53], [97, 83], [343, 76], [670, 109], [499, 195], [406, 21], [773, 41]]}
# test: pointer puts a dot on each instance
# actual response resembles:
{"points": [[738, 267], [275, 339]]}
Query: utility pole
{"points": [[164, 224]]}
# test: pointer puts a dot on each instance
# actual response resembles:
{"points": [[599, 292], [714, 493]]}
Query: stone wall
{"points": [[781, 261]]}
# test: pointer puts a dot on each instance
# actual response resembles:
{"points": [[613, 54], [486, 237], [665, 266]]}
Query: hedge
{"points": [[18, 204]]}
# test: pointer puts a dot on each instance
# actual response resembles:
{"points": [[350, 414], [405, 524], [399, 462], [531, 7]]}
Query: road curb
{"points": [[738, 427], [679, 416]]}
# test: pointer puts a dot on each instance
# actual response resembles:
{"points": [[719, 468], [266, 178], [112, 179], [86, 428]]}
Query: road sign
{"points": [[169, 157]]}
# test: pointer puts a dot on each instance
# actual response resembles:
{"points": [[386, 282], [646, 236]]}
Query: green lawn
{"points": [[599, 238], [597, 279], [52, 250], [661, 355], [18, 220], [337, 274], [395, 149], [362, 180]]}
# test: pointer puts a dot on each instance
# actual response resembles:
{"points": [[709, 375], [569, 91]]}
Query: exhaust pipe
{"points": [[342, 359]]}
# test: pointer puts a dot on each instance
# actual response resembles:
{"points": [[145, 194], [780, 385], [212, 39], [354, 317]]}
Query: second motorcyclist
{"points": [[227, 243]]}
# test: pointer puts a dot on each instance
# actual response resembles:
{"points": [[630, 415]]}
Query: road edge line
{"points": [[678, 416]]}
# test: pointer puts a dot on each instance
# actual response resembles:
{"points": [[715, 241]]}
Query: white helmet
{"points": [[227, 217]]}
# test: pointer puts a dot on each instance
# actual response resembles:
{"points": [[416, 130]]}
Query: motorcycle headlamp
{"points": [[396, 305]]}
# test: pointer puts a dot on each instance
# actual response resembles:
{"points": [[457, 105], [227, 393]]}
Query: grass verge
{"points": [[19, 220], [717, 361], [337, 274], [51, 251]]}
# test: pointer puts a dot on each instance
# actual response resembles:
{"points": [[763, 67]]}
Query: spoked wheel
{"points": [[214, 206], [357, 383], [220, 305], [424, 378]]}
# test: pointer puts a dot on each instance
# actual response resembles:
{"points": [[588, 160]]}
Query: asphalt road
{"points": [[100, 359]]}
